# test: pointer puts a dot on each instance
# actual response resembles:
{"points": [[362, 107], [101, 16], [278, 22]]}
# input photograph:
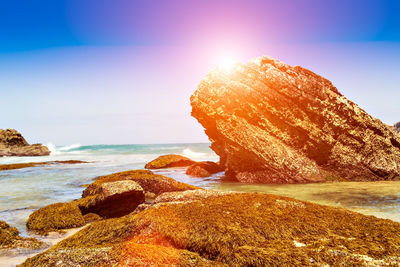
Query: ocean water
{"points": [[24, 190]]}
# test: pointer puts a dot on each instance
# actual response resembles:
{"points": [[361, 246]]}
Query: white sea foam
{"points": [[68, 148], [191, 154]]}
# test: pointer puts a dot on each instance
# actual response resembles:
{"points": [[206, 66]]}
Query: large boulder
{"points": [[169, 161], [203, 169], [273, 123], [13, 144], [231, 229], [115, 199]]}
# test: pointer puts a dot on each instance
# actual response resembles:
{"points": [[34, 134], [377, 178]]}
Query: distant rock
{"points": [[115, 199], [169, 161], [273, 123], [203, 169], [13, 144], [396, 127], [4, 167]]}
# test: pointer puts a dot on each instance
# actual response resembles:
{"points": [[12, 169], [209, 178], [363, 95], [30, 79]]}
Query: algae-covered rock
{"points": [[233, 229], [115, 199], [274, 123], [149, 181], [169, 161], [203, 169], [55, 217], [91, 217], [10, 239], [4, 167]]}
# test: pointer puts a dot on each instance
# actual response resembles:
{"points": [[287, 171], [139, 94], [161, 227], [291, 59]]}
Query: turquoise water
{"points": [[24, 190]]}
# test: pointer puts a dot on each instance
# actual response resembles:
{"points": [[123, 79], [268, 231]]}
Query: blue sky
{"points": [[122, 71]]}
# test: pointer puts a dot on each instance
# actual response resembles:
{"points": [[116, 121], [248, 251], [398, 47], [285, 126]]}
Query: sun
{"points": [[227, 63]]}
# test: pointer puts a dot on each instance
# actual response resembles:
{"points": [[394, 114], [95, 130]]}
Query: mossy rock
{"points": [[55, 217], [246, 229], [91, 217], [169, 161], [149, 181], [15, 166], [10, 239]]}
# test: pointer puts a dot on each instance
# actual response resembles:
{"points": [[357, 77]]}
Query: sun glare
{"points": [[227, 63]]}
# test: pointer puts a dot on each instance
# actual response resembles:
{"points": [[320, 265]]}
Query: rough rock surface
{"points": [[231, 229], [115, 199], [273, 123], [150, 182], [203, 169], [10, 239], [397, 127], [169, 161], [13, 144]]}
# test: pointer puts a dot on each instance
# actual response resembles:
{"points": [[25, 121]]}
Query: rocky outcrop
{"points": [[203, 169], [115, 199], [396, 127], [10, 239], [13, 144], [108, 196], [231, 229], [273, 123], [169, 161]]}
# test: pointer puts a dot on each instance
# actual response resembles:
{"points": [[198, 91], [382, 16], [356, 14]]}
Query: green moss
{"points": [[149, 181], [242, 230], [55, 217], [10, 238], [168, 161]]}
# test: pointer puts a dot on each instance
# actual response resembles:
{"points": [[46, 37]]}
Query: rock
{"points": [[169, 161], [203, 169], [115, 199], [91, 217], [33, 164], [150, 182], [273, 123], [397, 127], [10, 239], [234, 229], [55, 217], [13, 144]]}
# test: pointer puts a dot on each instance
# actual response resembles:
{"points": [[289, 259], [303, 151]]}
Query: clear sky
{"points": [[115, 71]]}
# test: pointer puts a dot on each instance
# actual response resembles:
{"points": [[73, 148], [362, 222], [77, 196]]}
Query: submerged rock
{"points": [[4, 167], [231, 229], [115, 199], [273, 123], [13, 144], [10, 239], [169, 161], [203, 169]]}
